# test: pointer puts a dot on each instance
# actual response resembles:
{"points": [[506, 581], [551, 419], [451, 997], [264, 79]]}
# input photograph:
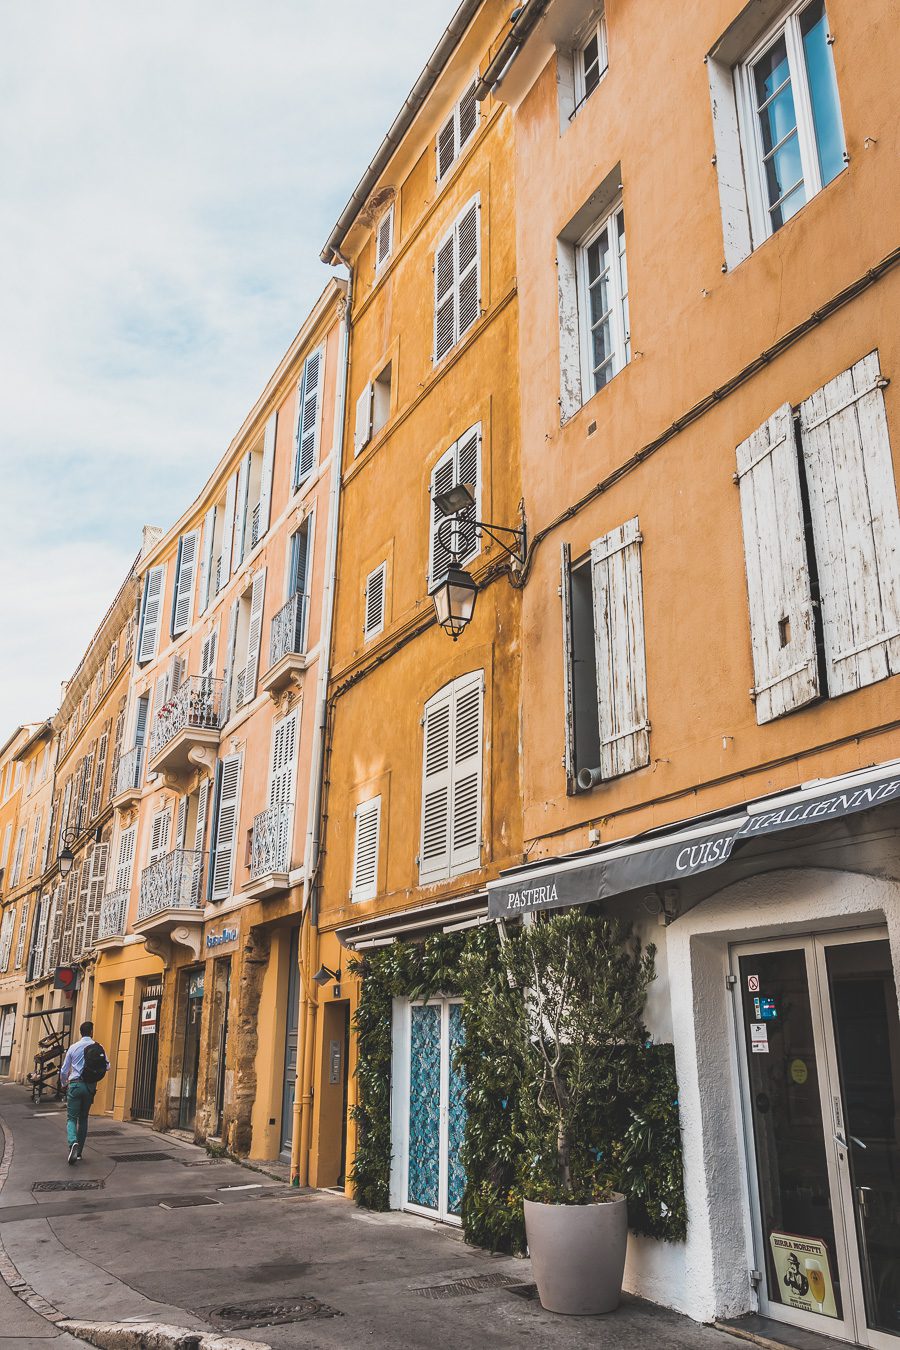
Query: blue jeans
{"points": [[80, 1100]]}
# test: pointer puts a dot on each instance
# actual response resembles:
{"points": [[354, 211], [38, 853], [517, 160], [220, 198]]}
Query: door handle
{"points": [[859, 1143], [839, 1140]]}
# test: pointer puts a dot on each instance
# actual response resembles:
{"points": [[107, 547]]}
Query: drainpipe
{"points": [[309, 953]]}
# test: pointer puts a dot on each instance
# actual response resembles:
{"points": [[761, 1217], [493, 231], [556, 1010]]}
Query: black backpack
{"points": [[94, 1067]]}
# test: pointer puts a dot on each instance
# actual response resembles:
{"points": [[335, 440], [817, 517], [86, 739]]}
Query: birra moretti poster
{"points": [[803, 1273]]}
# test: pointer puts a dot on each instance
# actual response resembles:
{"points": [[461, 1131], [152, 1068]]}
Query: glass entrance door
{"points": [[436, 1118], [821, 1074]]}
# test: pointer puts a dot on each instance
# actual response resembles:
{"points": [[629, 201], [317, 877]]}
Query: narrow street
{"points": [[112, 1251]]}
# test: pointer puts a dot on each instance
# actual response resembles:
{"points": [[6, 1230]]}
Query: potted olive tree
{"points": [[584, 981]]}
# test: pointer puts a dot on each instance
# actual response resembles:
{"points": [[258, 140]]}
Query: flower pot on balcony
{"points": [[578, 1254]]}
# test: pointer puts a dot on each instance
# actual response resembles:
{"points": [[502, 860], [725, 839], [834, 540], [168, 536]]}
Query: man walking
{"points": [[83, 1067]]}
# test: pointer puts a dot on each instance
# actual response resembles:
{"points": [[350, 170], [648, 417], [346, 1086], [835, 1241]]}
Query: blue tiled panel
{"points": [[424, 1107]]}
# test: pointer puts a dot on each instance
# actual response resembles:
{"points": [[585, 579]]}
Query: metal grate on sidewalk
{"points": [[470, 1284], [68, 1186], [143, 1157]]}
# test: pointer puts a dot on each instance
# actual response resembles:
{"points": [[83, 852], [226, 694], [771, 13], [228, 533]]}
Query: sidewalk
{"points": [[236, 1240]]}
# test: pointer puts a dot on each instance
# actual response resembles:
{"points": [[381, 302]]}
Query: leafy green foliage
{"points": [[620, 1099]]}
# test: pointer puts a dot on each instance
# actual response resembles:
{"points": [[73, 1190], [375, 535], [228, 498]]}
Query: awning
{"points": [[685, 850], [445, 916]]}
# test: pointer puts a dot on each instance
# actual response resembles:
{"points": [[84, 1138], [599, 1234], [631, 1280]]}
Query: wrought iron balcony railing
{"points": [[171, 882], [197, 704], [131, 769], [270, 841], [286, 634], [113, 910]]}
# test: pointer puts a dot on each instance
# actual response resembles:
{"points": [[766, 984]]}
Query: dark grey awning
{"points": [[686, 850]]}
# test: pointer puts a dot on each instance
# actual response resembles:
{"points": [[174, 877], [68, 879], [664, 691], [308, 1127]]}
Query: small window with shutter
{"points": [[185, 572], [309, 416], [457, 131], [384, 238], [452, 779], [151, 614], [367, 834], [225, 829], [373, 622], [459, 464], [457, 280]]}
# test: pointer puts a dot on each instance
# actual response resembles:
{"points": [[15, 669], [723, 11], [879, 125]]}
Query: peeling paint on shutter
{"points": [[856, 525], [184, 581], [226, 826], [151, 613], [209, 536], [782, 627], [363, 430], [254, 635], [266, 471], [619, 642], [373, 622], [365, 850]]}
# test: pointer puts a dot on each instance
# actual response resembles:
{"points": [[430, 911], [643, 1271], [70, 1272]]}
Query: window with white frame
{"points": [[821, 528], [590, 60], [373, 622], [790, 116], [457, 131], [607, 724], [367, 836], [602, 278], [451, 779], [457, 280], [384, 238], [459, 464]]}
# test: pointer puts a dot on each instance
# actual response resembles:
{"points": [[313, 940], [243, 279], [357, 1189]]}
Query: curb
{"points": [[153, 1336]]}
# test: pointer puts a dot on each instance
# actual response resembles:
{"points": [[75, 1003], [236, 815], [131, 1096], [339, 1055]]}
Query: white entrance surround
{"points": [[707, 1276]]}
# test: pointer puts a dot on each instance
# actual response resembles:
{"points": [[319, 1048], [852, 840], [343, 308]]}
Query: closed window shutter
{"points": [[363, 432], [374, 603], [200, 836], [159, 838], [468, 115], [254, 634], [208, 655], [184, 585], [226, 826], [465, 812], [209, 537], [299, 561], [181, 823], [65, 951], [6, 937], [140, 719], [284, 749], [384, 238], [468, 269], [365, 850], [87, 773], [856, 525], [565, 591], [151, 613], [82, 908], [308, 416], [266, 472], [227, 532], [23, 929], [619, 642], [782, 627], [7, 836], [443, 477], [55, 929], [32, 861], [229, 660], [99, 866], [468, 471], [444, 297], [125, 862], [240, 513], [100, 771], [446, 146], [434, 858], [17, 859]]}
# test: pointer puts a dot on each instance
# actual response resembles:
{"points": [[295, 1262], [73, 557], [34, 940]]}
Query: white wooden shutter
{"points": [[254, 634], [306, 438], [4, 856], [619, 643], [99, 865], [100, 772], [364, 405], [17, 857], [125, 861], [181, 823], [184, 584], [151, 613], [36, 832], [374, 602], [365, 850], [227, 532], [445, 148], [468, 471], [208, 655], [229, 660], [226, 826], [468, 268], [266, 470], [83, 901], [444, 296], [200, 836], [434, 856], [209, 537], [23, 929], [159, 837], [467, 116], [284, 753], [141, 713], [443, 477], [782, 626], [240, 512], [384, 238], [569, 757], [39, 938], [465, 804], [6, 937], [856, 525], [54, 929]]}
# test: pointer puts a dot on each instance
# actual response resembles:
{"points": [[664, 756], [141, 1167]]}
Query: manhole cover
{"points": [[142, 1157], [471, 1284], [107, 1134], [527, 1291], [68, 1186], [187, 1201], [268, 1312]]}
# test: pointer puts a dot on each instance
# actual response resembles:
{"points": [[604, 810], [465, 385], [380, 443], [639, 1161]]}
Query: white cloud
{"points": [[169, 175]]}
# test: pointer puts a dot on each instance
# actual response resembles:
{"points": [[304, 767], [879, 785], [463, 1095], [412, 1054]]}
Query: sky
{"points": [[168, 175]]}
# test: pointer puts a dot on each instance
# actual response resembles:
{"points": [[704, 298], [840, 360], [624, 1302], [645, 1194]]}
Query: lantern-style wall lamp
{"points": [[454, 596]]}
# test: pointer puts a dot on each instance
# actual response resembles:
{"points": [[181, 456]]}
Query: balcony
{"points": [[185, 731], [113, 914], [170, 903], [129, 777], [270, 852], [286, 642]]}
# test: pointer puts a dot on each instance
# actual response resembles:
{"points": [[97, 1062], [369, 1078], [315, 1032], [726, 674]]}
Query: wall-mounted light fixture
{"points": [[66, 857], [455, 594], [324, 974]]}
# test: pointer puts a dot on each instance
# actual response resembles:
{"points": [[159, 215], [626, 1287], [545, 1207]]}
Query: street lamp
{"points": [[455, 594], [66, 857]]}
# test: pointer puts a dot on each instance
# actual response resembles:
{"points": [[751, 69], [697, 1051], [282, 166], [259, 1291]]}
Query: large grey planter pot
{"points": [[578, 1255]]}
